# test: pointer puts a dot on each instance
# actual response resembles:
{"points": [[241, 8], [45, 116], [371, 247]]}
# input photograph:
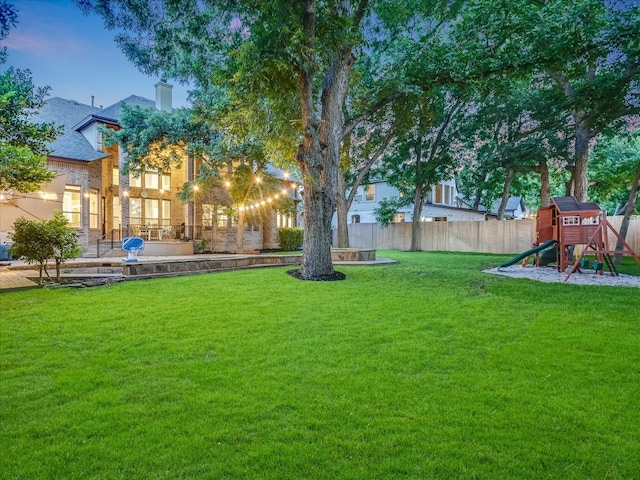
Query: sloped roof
{"points": [[71, 143], [512, 205], [113, 111], [570, 204], [74, 116]]}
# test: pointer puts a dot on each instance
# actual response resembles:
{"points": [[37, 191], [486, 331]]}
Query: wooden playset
{"points": [[571, 223]]}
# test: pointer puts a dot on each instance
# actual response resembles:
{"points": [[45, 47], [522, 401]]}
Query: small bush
{"points": [[38, 241], [291, 238]]}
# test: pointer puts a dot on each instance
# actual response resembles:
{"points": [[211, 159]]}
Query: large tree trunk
{"points": [[416, 224], [418, 199], [631, 205], [342, 211], [545, 183], [505, 192], [319, 152], [580, 177]]}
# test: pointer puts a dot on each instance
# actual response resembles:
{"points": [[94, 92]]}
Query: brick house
{"points": [[101, 202]]}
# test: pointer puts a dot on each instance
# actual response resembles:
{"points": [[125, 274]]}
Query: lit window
{"points": [[72, 206], [116, 212], [151, 180], [355, 218], [166, 182], [151, 211], [208, 216], [94, 208], [370, 193], [222, 217], [166, 212], [135, 211], [284, 220], [135, 181], [115, 176], [438, 193]]}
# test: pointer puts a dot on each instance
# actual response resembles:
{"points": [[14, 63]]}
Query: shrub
{"points": [[291, 238], [39, 241]]}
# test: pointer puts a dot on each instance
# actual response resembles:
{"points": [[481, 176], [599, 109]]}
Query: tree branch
{"points": [[351, 123]]}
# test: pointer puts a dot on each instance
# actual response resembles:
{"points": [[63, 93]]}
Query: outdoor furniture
{"points": [[167, 231]]}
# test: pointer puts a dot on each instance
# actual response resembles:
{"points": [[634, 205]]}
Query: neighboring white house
{"points": [[441, 204], [515, 209]]}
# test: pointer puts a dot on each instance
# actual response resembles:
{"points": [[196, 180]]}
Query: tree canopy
{"points": [[23, 143], [291, 54]]}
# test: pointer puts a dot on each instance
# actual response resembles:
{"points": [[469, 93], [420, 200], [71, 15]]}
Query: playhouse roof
{"points": [[570, 204]]}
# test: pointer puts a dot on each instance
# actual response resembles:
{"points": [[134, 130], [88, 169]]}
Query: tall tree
{"points": [[616, 177], [590, 49], [510, 133], [23, 144], [282, 49], [421, 156]]}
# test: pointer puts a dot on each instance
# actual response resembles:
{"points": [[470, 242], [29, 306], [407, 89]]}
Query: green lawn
{"points": [[428, 369]]}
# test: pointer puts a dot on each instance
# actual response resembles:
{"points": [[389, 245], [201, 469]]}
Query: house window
{"points": [[151, 180], [438, 193], [72, 205], [208, 216], [166, 212], [573, 220], [370, 193], [166, 182], [116, 212], [285, 220], [355, 218], [135, 181], [94, 208], [151, 211], [429, 197], [357, 198], [223, 219], [115, 176], [447, 195], [135, 211]]}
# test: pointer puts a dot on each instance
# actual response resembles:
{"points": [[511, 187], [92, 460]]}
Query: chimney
{"points": [[92, 99], [163, 96]]}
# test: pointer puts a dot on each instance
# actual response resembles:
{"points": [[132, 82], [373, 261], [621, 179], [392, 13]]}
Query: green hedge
{"points": [[291, 238]]}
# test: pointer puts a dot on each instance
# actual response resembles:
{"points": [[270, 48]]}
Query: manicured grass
{"points": [[424, 369]]}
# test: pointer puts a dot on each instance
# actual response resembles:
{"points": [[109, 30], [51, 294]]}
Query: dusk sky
{"points": [[75, 55]]}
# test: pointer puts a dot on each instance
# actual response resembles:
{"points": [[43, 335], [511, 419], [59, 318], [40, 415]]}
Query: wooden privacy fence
{"points": [[513, 236]]}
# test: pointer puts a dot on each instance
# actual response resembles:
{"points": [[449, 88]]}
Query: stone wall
{"points": [[210, 265]]}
